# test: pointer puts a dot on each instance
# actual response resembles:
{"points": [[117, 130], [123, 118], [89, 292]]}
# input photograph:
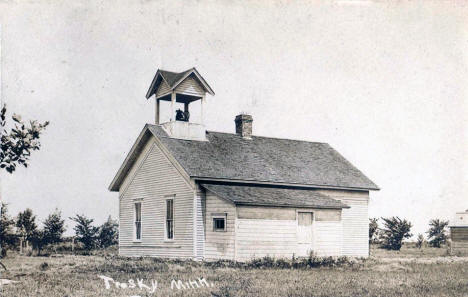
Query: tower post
{"points": [[156, 112], [202, 101], [173, 101]]}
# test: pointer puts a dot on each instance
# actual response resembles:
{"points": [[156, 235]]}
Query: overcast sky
{"points": [[385, 83]]}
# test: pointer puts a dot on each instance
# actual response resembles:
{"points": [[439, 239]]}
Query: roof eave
{"points": [[296, 185], [152, 86], [193, 70], [290, 205], [275, 204], [118, 178]]}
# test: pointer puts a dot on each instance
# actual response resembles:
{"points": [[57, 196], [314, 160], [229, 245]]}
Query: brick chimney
{"points": [[244, 125]]}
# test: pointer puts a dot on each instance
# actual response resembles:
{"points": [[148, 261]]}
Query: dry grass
{"points": [[410, 251], [394, 276]]}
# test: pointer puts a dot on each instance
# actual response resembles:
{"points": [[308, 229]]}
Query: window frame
{"points": [[219, 216], [166, 237], [135, 231]]}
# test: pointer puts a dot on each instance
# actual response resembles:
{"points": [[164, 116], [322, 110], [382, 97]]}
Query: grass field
{"points": [[410, 272]]}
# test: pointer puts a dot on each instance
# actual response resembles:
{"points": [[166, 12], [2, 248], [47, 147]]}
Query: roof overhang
{"points": [[249, 195], [147, 134], [132, 155], [158, 77], [279, 184]]}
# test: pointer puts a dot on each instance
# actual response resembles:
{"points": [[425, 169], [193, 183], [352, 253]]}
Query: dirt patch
{"points": [[4, 281]]}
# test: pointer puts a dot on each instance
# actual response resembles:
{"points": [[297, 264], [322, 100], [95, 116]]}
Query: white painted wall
{"points": [[219, 245], [151, 179], [277, 236], [328, 238], [200, 219], [259, 237], [355, 221]]}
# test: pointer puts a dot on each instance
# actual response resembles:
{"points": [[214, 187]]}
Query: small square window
{"points": [[219, 224]]}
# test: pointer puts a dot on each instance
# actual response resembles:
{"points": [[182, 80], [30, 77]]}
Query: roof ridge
{"points": [[271, 137]]}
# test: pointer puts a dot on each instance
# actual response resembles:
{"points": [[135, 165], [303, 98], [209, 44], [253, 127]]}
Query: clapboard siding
{"points": [[152, 179], [460, 244], [328, 238], [355, 221], [459, 234], [261, 237], [266, 231], [459, 248], [219, 245], [268, 213], [200, 223], [190, 86], [459, 237], [163, 89]]}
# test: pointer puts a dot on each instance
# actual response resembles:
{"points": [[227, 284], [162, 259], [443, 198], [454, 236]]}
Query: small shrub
{"points": [[283, 264], [265, 262], [394, 231]]}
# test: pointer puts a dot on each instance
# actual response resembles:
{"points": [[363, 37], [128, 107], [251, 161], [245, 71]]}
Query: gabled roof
{"points": [[173, 79], [269, 196], [260, 160]]}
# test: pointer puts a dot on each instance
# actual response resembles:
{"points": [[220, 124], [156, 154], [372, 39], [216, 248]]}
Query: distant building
{"points": [[459, 233], [185, 192]]}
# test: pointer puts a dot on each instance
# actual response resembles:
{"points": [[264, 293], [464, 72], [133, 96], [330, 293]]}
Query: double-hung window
{"points": [[169, 219], [137, 230]]}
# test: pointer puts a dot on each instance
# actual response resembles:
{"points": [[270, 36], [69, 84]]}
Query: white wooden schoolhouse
{"points": [[185, 192]]}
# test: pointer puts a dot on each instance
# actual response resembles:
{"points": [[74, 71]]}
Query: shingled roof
{"points": [[173, 79], [268, 196], [263, 159]]}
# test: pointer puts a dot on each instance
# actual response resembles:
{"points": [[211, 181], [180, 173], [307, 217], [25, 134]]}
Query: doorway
{"points": [[305, 233]]}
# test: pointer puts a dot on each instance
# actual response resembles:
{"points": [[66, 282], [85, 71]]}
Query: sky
{"points": [[383, 82]]}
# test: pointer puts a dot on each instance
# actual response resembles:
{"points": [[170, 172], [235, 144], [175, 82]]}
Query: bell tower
{"points": [[184, 87]]}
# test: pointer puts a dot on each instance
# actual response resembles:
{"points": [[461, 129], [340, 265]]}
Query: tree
{"points": [[54, 227], [108, 233], [373, 230], [85, 232], [38, 240], [394, 231], [437, 233], [26, 225], [7, 234], [19, 142], [420, 241]]}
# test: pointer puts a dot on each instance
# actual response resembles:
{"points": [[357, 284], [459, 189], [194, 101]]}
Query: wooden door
{"points": [[304, 233]]}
